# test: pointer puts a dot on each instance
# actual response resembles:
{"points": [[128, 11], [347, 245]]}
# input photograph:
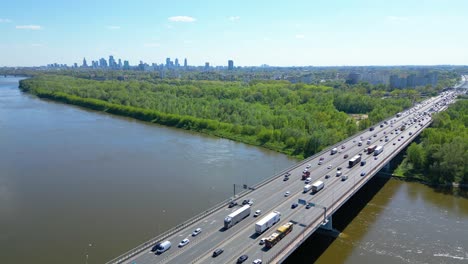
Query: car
{"points": [[339, 168], [286, 194], [250, 202], [262, 241], [321, 158], [308, 180], [308, 206], [327, 176], [381, 139], [257, 261], [287, 174], [394, 143], [285, 178], [308, 166], [305, 170], [386, 140], [232, 204], [294, 205], [245, 202], [375, 135], [343, 147], [320, 162], [196, 232], [410, 133], [257, 213], [184, 242], [363, 173], [375, 157], [399, 139], [217, 252], [345, 156], [329, 166], [242, 258]]}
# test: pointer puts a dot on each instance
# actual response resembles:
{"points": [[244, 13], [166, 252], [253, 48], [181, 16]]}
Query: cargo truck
{"points": [[371, 149], [307, 188], [236, 216], [281, 232], [268, 221], [354, 160], [378, 150], [333, 151], [317, 186]]}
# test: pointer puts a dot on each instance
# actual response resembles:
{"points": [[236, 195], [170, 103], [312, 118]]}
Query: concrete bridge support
{"points": [[327, 228]]}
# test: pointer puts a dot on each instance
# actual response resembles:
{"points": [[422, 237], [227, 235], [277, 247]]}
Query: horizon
{"points": [[332, 34]]}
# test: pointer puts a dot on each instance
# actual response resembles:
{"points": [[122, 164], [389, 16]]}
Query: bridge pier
{"points": [[327, 228]]}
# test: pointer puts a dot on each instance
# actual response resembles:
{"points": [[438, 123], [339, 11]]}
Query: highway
{"points": [[241, 239]]}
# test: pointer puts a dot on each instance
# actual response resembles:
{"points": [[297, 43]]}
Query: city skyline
{"points": [[336, 33]]}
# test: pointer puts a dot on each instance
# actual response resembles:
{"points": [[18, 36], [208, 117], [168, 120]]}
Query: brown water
{"points": [[75, 182], [71, 178]]}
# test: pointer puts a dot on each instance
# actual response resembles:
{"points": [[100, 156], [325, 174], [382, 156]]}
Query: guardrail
{"points": [[150, 243]]}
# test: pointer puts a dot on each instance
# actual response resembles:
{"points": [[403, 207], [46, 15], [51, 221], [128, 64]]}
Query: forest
{"points": [[296, 119], [442, 155]]}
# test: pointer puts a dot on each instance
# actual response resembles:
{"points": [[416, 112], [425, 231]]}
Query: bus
{"points": [[281, 232], [354, 160]]}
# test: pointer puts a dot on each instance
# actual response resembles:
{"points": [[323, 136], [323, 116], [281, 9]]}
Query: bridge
{"points": [[271, 195]]}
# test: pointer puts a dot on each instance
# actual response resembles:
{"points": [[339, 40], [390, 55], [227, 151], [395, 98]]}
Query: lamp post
{"points": [[87, 254]]}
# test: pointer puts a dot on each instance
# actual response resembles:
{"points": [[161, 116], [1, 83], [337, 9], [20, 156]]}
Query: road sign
{"points": [[300, 201]]}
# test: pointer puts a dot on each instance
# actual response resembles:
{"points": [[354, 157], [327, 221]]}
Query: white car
{"points": [[329, 166], [308, 166], [257, 213], [262, 241], [286, 194], [196, 232], [184, 242], [257, 261]]}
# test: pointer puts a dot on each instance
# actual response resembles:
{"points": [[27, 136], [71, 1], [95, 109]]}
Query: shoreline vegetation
{"points": [[295, 119]]}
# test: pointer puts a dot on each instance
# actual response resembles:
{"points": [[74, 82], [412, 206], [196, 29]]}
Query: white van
{"points": [[163, 247]]}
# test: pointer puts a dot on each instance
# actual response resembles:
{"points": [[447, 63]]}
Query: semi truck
{"points": [[307, 188], [317, 186], [354, 160], [281, 232], [236, 216], [378, 150], [268, 221]]}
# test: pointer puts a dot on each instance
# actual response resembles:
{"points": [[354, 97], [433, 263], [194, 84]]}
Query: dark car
{"points": [[217, 252], [363, 162], [294, 205], [339, 168], [308, 206], [327, 176], [371, 129], [242, 258], [232, 204], [345, 156], [285, 178], [363, 173], [245, 202]]}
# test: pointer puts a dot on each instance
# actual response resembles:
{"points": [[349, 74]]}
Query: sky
{"points": [[253, 32]]}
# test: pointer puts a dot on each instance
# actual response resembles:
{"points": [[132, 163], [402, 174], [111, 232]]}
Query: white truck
{"points": [[236, 216], [333, 151], [378, 150], [268, 221], [317, 186], [307, 188]]}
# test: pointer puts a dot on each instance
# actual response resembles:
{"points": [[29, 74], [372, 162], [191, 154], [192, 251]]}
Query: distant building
{"points": [[126, 65], [120, 64], [207, 66], [230, 65], [102, 63], [176, 62], [85, 64], [112, 62], [185, 63], [168, 62]]}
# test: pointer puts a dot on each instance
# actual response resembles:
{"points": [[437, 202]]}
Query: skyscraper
{"points": [[120, 64], [230, 65], [102, 63], [185, 63], [112, 63], [85, 64], [177, 62], [207, 66]]}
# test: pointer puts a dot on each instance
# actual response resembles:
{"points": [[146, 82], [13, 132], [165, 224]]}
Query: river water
{"points": [[78, 186]]}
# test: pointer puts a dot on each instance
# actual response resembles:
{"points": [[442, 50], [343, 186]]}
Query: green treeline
{"points": [[442, 155], [296, 119]]}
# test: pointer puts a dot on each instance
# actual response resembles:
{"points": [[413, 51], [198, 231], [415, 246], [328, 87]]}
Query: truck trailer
{"points": [[307, 188], [354, 160], [317, 186], [378, 150], [236, 216], [268, 221]]}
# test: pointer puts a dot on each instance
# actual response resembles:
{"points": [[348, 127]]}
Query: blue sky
{"points": [[254, 32]]}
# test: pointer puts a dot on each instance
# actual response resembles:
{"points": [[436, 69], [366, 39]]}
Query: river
{"points": [[78, 186]]}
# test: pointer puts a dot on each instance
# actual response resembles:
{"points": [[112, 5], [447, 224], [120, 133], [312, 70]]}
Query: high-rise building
{"points": [[176, 62], [207, 66], [102, 63], [120, 64], [168, 62], [185, 63], [85, 64], [126, 65], [112, 62], [230, 65]]}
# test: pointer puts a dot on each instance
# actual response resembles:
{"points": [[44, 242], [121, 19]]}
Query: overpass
{"points": [[269, 195]]}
